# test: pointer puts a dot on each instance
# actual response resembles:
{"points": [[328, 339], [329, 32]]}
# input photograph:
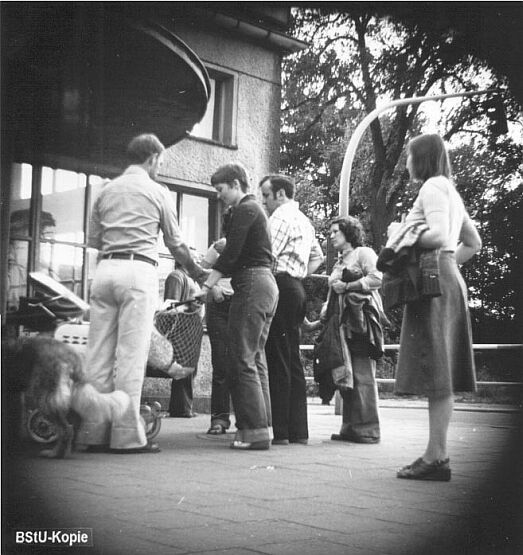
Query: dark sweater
{"points": [[248, 240]]}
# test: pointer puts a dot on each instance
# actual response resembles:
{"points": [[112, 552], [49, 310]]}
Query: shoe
{"points": [[147, 448], [216, 430], [437, 471], [97, 449], [186, 415], [254, 446], [353, 438], [300, 441], [280, 441]]}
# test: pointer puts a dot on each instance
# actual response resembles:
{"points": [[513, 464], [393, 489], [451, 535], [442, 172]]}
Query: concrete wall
{"points": [[258, 109]]}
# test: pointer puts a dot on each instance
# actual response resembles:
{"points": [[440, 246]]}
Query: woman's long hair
{"points": [[429, 157]]}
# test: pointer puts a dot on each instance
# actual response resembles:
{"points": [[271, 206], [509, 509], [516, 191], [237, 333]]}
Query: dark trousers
{"points": [[286, 377], [217, 316], [361, 404], [181, 397], [252, 308]]}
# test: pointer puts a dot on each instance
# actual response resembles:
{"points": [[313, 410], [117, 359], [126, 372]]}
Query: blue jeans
{"points": [[217, 316], [252, 308]]}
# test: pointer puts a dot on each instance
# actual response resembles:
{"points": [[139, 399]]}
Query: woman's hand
{"points": [[339, 286]]}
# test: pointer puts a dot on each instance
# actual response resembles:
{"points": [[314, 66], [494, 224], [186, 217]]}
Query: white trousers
{"points": [[124, 296]]}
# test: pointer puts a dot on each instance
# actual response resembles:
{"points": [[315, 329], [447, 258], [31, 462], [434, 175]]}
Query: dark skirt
{"points": [[436, 357]]}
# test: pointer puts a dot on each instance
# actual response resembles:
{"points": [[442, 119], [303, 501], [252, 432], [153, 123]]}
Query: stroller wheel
{"points": [[152, 418], [40, 428]]}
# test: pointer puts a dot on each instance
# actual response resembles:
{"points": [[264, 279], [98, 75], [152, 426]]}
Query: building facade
{"points": [[82, 79]]}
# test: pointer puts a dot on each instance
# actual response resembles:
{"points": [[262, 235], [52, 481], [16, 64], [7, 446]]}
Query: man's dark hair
{"points": [[228, 173], [351, 228], [278, 182], [143, 146]]}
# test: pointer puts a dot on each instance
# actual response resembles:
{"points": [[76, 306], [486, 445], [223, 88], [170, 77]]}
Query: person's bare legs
{"points": [[440, 413]]}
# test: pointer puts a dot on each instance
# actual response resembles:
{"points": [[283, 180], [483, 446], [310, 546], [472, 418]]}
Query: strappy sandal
{"points": [[437, 471], [216, 430]]}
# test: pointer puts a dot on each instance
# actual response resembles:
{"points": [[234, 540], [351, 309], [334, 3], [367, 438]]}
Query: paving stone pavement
{"points": [[326, 498]]}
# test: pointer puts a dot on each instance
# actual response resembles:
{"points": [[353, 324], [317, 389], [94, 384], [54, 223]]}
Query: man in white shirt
{"points": [[124, 227], [296, 253]]}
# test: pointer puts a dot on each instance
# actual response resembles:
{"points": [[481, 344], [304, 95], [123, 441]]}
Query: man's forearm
{"points": [[182, 255]]}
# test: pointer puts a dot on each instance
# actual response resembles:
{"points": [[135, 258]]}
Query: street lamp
{"points": [[362, 126]]}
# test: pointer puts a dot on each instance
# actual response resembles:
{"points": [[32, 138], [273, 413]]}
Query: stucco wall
{"points": [[258, 110]]}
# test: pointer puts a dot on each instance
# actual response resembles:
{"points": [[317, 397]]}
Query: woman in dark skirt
{"points": [[436, 354]]}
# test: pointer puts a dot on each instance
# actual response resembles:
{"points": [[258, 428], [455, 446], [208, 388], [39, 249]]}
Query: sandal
{"points": [[216, 430], [353, 438], [437, 471]]}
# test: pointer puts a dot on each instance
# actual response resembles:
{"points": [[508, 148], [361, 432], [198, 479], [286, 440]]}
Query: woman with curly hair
{"points": [[355, 306]]}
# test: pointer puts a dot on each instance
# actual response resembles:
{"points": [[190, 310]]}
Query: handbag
{"points": [[327, 352]]}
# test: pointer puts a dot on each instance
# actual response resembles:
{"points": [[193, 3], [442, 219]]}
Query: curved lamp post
{"points": [[361, 128]]}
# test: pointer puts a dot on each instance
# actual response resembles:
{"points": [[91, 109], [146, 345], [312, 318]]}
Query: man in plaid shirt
{"points": [[296, 253]]}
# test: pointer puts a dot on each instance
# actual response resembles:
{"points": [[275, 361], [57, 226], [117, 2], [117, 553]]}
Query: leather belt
{"points": [[130, 256], [286, 275]]}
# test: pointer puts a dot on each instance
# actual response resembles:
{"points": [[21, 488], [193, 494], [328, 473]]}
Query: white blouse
{"points": [[438, 197]]}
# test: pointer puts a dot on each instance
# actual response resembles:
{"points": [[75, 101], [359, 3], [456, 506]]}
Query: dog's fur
{"points": [[51, 374]]}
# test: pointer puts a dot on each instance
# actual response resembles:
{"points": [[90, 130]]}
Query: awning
{"points": [[81, 80]]}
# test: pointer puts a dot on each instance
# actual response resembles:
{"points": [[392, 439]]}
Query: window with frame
{"points": [[218, 123], [49, 218], [48, 228]]}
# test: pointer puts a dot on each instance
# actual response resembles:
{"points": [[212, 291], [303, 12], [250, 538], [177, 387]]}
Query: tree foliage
{"points": [[357, 61]]}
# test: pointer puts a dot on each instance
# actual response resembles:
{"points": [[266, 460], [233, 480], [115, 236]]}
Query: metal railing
{"points": [[476, 347]]}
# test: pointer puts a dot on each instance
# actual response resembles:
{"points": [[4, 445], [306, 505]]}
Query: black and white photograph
{"points": [[261, 278]]}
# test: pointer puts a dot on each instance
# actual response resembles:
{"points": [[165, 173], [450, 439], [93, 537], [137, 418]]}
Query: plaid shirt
{"points": [[293, 240]]}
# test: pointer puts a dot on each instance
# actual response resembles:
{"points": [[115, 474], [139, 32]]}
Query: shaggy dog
{"points": [[51, 374]]}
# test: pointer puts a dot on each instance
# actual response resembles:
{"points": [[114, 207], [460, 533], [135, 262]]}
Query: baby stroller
{"points": [[175, 347], [56, 308]]}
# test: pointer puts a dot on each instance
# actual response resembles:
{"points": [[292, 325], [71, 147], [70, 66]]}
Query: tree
{"points": [[357, 60]]}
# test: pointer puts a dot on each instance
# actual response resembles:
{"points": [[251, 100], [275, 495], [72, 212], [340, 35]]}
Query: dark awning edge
{"points": [[182, 51]]}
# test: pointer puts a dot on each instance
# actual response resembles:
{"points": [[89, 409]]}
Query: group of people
{"points": [[256, 305]]}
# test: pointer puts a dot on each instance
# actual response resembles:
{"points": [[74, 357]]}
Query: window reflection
{"points": [[63, 263], [59, 242], [21, 180], [195, 222], [63, 196], [91, 259], [19, 227], [17, 271], [96, 182]]}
